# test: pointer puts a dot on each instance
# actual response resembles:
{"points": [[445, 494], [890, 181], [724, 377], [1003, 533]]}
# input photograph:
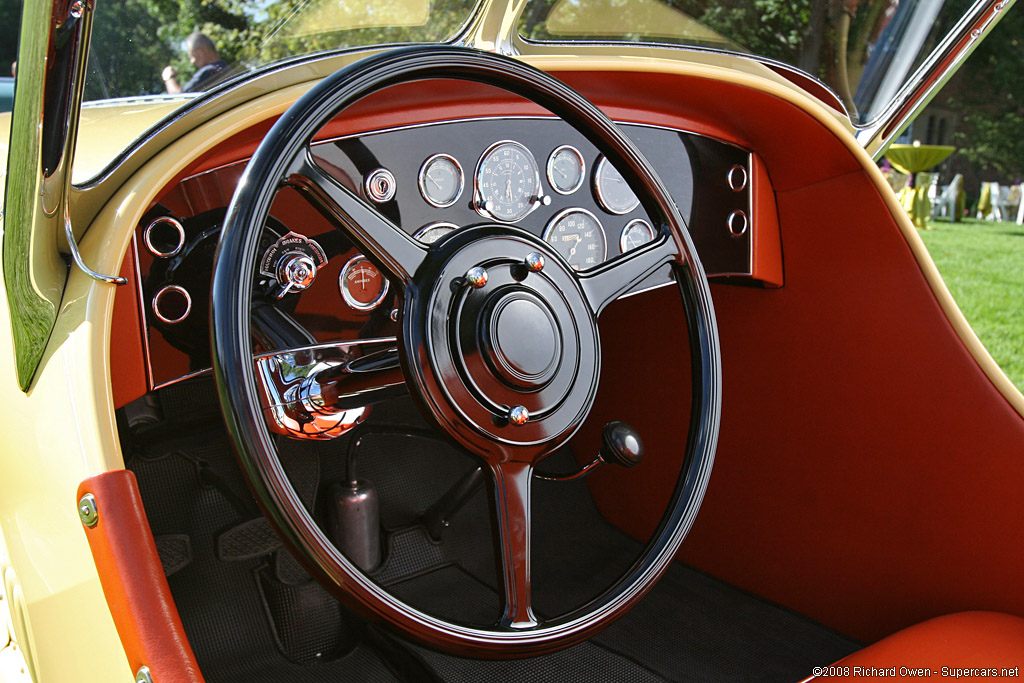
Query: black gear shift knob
{"points": [[620, 444]]}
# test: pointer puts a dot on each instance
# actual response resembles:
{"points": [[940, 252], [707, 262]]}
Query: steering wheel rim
{"points": [[283, 154]]}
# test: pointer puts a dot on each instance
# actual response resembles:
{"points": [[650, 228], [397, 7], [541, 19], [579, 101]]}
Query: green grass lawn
{"points": [[983, 265]]}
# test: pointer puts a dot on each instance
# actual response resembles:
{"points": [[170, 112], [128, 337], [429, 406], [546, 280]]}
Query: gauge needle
{"points": [[508, 189], [572, 252], [561, 172], [436, 184]]}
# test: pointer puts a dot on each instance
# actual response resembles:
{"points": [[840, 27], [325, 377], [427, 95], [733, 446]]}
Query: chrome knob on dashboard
{"points": [[296, 272]]}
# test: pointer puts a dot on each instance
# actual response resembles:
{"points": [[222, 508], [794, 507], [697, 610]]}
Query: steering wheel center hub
{"points": [[521, 340]]}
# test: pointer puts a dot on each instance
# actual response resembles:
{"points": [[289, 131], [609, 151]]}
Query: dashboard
{"points": [[531, 173]]}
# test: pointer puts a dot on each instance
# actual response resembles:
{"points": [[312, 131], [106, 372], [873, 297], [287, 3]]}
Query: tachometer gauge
{"points": [[441, 180], [431, 233], [611, 189], [507, 182], [565, 169], [636, 232], [577, 235]]}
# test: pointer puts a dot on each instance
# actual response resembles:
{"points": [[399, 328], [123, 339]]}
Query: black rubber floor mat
{"points": [[690, 628]]}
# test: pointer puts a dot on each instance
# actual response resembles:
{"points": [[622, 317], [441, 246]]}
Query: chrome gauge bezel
{"points": [[550, 227], [422, 178], [418, 235], [550, 169], [478, 198], [625, 231], [601, 194], [346, 293]]}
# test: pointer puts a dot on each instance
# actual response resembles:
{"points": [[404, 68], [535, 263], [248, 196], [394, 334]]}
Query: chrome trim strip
{"points": [[929, 78], [73, 247], [184, 378], [466, 119], [141, 306]]}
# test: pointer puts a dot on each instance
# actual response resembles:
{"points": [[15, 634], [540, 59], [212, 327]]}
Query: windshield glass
{"points": [[863, 50], [149, 47]]}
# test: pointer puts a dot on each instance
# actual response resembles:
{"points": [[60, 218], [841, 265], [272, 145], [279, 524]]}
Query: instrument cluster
{"points": [[535, 174], [547, 180]]}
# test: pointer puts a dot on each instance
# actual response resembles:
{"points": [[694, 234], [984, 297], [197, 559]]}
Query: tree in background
{"points": [[10, 22], [989, 93]]}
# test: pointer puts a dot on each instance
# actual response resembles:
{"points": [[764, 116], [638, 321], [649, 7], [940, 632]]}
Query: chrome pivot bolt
{"points": [[88, 511], [518, 415], [534, 262], [476, 277]]}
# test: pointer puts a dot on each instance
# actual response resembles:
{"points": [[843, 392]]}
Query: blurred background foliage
{"points": [[987, 95]]}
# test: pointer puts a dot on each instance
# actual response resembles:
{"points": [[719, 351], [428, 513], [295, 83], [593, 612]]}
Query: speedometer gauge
{"points": [[611, 189], [577, 235], [507, 182]]}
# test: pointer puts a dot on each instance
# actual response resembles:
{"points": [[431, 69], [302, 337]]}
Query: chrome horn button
{"points": [[521, 339]]}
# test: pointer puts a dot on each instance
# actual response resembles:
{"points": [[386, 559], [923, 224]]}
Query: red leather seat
{"points": [[957, 646]]}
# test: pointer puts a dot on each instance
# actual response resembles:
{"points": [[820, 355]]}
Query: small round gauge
{"points": [[577, 235], [611, 189], [432, 232], [636, 232], [565, 169], [507, 182], [362, 286], [441, 180]]}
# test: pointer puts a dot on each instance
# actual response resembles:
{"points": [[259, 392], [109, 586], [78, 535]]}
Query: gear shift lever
{"points": [[620, 445]]}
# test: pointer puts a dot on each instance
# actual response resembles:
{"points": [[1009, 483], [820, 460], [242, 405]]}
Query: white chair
{"points": [[946, 200], [1009, 201], [933, 188], [1000, 202], [1020, 211]]}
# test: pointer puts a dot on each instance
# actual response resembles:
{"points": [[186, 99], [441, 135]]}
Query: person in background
{"points": [[203, 54]]}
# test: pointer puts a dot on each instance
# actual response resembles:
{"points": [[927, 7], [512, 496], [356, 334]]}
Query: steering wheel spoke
{"points": [[608, 281], [388, 243], [512, 514]]}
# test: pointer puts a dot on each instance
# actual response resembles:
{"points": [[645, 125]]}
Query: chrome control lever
{"points": [[620, 445]]}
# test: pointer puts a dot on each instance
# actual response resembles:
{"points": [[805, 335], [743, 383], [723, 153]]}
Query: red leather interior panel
{"points": [[127, 358], [969, 645], [865, 460], [766, 242], [134, 583]]}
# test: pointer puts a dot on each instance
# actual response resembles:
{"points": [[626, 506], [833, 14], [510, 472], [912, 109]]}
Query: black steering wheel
{"points": [[499, 346]]}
